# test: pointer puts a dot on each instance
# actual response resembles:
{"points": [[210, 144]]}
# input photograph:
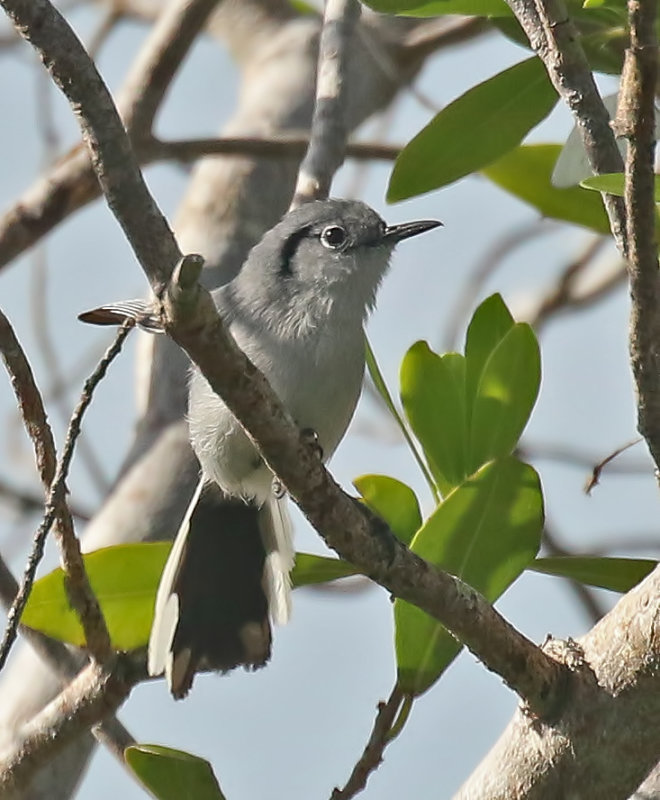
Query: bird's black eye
{"points": [[333, 237]]}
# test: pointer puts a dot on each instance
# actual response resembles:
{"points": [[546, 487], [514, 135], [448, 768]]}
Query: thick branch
{"points": [[329, 123], [67, 665], [90, 698], [636, 121], [609, 737]]}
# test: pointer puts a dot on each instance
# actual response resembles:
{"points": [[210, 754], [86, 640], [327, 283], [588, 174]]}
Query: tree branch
{"points": [[67, 665], [615, 691], [389, 720], [53, 477], [556, 40], [636, 121], [346, 525], [327, 144], [192, 321], [94, 694], [284, 145]]}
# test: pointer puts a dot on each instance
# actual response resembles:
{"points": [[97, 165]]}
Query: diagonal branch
{"points": [[94, 694], [193, 322], [67, 665]]}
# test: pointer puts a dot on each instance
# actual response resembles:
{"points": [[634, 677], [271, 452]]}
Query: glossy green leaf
{"points": [[475, 130], [613, 183], [525, 172], [486, 532], [392, 500], [310, 569], [489, 324], [172, 774], [616, 574], [505, 396], [433, 397], [124, 578], [435, 8]]}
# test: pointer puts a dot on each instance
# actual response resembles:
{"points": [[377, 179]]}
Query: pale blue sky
{"points": [[295, 729]]}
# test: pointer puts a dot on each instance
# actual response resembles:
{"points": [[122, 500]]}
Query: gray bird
{"points": [[297, 308]]}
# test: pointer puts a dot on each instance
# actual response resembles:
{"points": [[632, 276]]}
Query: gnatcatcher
{"points": [[297, 309]]}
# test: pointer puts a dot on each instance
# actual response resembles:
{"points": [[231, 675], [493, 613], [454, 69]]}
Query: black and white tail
{"points": [[227, 573]]}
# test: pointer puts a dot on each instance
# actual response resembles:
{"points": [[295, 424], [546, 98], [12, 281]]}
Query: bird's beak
{"points": [[395, 233]]}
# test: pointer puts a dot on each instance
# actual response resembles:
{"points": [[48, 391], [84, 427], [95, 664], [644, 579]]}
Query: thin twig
{"points": [[44, 338], [54, 475], [445, 32], [327, 145], [554, 37], [386, 727], [636, 121], [578, 299], [594, 478]]}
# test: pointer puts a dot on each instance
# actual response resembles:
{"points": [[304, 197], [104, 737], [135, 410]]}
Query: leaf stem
{"points": [[381, 386]]}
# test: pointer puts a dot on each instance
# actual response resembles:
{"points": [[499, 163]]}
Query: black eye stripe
{"points": [[290, 247]]}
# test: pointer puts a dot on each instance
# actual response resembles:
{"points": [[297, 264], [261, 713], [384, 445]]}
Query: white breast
{"points": [[318, 381]]}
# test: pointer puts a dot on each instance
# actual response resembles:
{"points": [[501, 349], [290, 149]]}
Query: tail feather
{"points": [[211, 608], [277, 536]]}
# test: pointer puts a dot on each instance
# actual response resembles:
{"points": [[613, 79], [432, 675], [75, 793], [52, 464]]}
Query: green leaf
{"points": [[616, 574], [613, 183], [124, 578], [525, 172], [172, 774], [485, 532], [507, 390], [310, 569], [392, 500], [435, 8], [475, 130], [433, 397], [489, 324]]}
